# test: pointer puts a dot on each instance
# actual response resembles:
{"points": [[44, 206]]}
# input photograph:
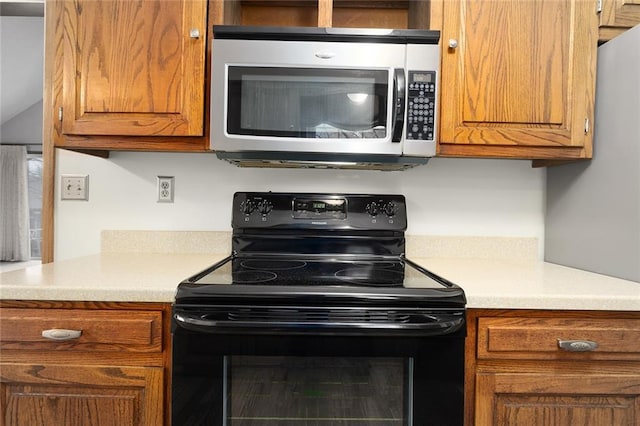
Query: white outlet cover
{"points": [[74, 187], [166, 189]]}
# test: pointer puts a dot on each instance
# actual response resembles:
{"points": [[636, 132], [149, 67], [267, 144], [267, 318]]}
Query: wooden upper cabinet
{"points": [[518, 78], [617, 16], [134, 68]]}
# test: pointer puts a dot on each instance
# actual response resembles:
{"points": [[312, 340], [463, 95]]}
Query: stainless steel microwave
{"points": [[324, 97]]}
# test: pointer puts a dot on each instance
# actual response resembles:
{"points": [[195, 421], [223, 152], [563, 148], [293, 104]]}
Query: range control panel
{"points": [[421, 104], [319, 211], [319, 208]]}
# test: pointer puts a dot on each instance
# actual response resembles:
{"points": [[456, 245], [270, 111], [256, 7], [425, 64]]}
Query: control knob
{"points": [[372, 208], [247, 206], [265, 207], [390, 208]]}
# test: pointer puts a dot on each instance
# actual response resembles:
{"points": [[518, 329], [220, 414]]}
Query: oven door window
{"points": [[277, 390], [310, 103]]}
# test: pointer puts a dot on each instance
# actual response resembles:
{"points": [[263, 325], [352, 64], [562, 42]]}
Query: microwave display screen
{"points": [[312, 103], [423, 77]]}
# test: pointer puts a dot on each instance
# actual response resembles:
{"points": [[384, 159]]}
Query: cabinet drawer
{"points": [[538, 338], [100, 330]]}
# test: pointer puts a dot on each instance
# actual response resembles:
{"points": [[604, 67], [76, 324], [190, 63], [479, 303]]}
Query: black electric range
{"points": [[317, 317]]}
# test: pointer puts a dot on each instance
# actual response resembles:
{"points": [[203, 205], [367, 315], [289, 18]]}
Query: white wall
{"points": [[21, 64], [24, 128], [465, 197]]}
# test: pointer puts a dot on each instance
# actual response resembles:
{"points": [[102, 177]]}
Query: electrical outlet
{"points": [[166, 188], [74, 187]]}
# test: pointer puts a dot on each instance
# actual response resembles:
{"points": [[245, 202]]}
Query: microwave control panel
{"points": [[421, 104]]}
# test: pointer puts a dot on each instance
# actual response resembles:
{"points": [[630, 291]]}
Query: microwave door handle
{"points": [[399, 91]]}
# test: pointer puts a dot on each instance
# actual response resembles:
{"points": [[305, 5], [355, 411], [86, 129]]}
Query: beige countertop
{"points": [[488, 283], [109, 277]]}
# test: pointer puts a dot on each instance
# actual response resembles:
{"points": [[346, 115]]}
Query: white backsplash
{"points": [[219, 242], [447, 197], [171, 242]]}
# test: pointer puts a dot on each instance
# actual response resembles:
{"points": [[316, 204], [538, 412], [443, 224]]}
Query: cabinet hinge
{"points": [[586, 126], [598, 6], [60, 114]]}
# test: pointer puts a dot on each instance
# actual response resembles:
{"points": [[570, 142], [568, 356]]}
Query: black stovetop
{"points": [[319, 281], [317, 272]]}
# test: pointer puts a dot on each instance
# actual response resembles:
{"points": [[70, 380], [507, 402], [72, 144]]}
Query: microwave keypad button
{"points": [[421, 105]]}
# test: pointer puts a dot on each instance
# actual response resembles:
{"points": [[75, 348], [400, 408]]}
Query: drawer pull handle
{"points": [[577, 345], [61, 334]]}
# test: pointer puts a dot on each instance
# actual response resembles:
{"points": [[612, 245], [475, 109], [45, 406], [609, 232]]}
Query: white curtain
{"points": [[14, 204]]}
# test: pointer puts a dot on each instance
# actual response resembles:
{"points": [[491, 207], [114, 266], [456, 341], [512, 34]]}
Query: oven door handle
{"points": [[437, 324]]}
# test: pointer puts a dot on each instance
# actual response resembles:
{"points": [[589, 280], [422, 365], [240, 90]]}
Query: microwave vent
{"points": [[321, 161]]}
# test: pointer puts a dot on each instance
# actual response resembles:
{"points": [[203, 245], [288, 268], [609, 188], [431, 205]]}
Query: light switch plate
{"points": [[74, 187]]}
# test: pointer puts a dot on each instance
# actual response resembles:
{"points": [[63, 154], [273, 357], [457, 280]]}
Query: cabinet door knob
{"points": [[453, 43], [194, 33], [61, 334], [577, 345]]}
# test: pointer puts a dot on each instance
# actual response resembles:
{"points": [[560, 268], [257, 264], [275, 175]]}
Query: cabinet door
{"points": [[533, 399], [80, 396], [519, 79], [134, 67]]}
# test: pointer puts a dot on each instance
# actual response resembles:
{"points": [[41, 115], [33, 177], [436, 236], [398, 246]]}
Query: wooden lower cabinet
{"points": [[114, 373], [518, 375], [76, 395], [557, 398]]}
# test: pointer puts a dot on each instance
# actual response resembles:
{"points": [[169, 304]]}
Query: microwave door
{"points": [[314, 109]]}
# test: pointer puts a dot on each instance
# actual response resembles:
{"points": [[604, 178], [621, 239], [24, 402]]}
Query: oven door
{"points": [[307, 377], [307, 97]]}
